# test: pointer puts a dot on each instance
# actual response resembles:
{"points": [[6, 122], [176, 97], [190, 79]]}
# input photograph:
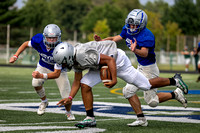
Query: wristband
{"points": [[45, 76], [15, 56], [70, 97]]}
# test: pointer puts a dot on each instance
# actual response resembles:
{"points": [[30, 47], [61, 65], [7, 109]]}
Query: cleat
{"points": [[180, 97], [42, 107], [180, 83], [87, 122], [70, 116], [141, 121]]}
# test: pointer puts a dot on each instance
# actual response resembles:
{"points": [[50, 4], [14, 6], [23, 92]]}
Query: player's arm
{"points": [[53, 75], [110, 62], [114, 38], [19, 51], [75, 87], [143, 52]]}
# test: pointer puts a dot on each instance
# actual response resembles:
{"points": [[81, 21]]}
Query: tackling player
{"points": [[92, 56], [141, 41], [45, 44]]}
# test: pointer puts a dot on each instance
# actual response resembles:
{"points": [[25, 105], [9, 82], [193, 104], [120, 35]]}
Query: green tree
{"points": [[115, 18], [101, 28], [154, 24], [186, 14], [172, 31], [127, 5], [69, 15], [161, 7], [7, 11], [36, 13]]}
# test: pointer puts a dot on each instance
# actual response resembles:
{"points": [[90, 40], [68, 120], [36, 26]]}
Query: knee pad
{"points": [[37, 82], [153, 101], [129, 90]]}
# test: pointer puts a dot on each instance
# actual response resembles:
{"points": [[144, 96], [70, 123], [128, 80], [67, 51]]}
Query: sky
{"points": [[20, 4]]}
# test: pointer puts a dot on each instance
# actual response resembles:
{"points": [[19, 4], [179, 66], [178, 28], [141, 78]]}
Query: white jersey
{"points": [[88, 54]]}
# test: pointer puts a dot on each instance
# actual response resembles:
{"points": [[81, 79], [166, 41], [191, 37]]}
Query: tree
{"points": [[35, 13], [154, 24], [101, 28], [6, 12], [185, 13], [115, 18], [127, 5], [69, 15], [172, 31], [161, 7]]}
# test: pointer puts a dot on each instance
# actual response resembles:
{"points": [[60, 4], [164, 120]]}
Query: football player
{"points": [[92, 56], [141, 41], [45, 44], [198, 49]]}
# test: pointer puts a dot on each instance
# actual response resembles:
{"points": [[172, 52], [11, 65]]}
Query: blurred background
{"points": [[175, 24]]}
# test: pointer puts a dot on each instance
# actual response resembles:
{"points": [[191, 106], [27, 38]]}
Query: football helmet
{"points": [[138, 18], [63, 54], [52, 30]]}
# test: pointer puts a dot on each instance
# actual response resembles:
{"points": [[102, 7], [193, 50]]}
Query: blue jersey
{"points": [[46, 57], [145, 38]]}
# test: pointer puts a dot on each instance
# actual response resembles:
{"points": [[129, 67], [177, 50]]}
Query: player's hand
{"points": [[13, 59], [133, 45], [64, 101], [97, 38], [110, 84], [37, 74]]}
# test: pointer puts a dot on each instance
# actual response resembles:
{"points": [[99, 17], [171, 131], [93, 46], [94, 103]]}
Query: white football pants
{"points": [[62, 81], [125, 71]]}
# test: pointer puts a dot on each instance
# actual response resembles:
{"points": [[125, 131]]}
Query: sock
{"points": [[172, 81], [44, 100], [173, 95], [90, 113], [140, 115]]}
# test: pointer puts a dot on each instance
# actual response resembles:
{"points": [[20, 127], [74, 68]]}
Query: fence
{"points": [[31, 57], [14, 36]]}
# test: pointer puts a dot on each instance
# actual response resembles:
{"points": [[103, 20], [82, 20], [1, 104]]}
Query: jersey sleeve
{"points": [[29, 44], [123, 32], [36, 40]]}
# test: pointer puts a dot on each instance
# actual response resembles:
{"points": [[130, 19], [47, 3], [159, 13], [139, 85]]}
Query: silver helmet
{"points": [[63, 54], [138, 18], [52, 30]]}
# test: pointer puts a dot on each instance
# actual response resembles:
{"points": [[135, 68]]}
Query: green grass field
{"points": [[19, 102]]}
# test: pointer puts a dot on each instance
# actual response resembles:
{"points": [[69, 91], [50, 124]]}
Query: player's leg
{"points": [[129, 93], [65, 88], [129, 74], [176, 81], [89, 80], [38, 85], [198, 78]]}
